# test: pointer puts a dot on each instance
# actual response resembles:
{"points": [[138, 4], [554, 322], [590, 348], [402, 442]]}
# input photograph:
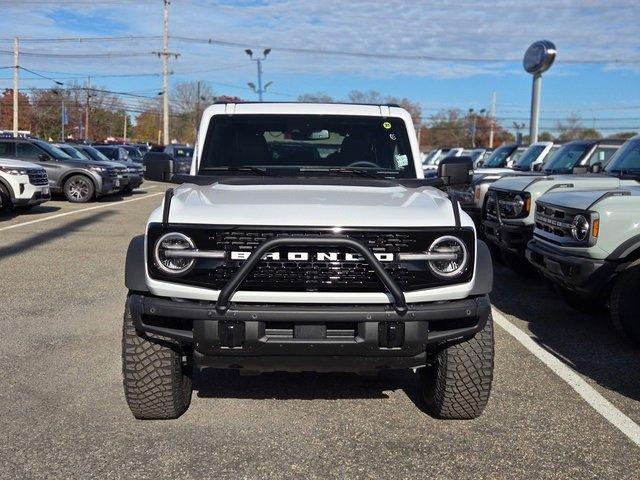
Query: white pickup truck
{"points": [[306, 239]]}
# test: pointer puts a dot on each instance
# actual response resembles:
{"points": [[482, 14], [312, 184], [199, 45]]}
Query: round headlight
{"points": [[173, 242], [518, 205], [580, 228], [451, 267]]}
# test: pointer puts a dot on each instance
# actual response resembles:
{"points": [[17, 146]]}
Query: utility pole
{"points": [[259, 61], [63, 119], [198, 103], [16, 67], [493, 117], [165, 73], [124, 136], [86, 110]]}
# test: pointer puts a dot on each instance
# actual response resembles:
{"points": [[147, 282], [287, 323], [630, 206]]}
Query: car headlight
{"points": [[14, 170], [453, 266], [172, 242], [96, 168], [580, 228], [518, 205]]}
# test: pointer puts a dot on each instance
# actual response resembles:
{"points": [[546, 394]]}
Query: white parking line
{"points": [[96, 207], [600, 404]]}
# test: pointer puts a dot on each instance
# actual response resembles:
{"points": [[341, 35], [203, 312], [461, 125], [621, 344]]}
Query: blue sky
{"points": [[604, 94]]}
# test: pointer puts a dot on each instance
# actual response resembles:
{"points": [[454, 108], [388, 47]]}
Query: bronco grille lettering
{"points": [[318, 256]]}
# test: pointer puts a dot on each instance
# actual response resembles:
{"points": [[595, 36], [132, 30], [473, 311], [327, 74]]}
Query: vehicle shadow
{"points": [[214, 383], [586, 342], [38, 209], [51, 234]]}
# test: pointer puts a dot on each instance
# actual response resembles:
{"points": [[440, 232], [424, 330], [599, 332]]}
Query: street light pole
{"points": [[16, 68], [260, 91]]}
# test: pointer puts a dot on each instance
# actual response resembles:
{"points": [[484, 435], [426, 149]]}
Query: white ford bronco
{"points": [[306, 239]]}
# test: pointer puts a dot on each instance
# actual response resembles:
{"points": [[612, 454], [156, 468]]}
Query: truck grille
{"points": [[112, 173], [498, 201], [553, 220], [38, 176], [311, 275]]}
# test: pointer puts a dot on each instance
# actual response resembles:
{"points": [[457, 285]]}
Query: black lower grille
{"points": [[38, 176], [314, 276], [318, 272]]}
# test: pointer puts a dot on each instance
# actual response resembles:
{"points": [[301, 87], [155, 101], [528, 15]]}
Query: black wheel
{"points": [[6, 205], [519, 264], [624, 304], [127, 190], [79, 189], [457, 384], [157, 382]]}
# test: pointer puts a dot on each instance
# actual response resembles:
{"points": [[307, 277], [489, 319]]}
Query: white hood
{"points": [[311, 205], [6, 162]]}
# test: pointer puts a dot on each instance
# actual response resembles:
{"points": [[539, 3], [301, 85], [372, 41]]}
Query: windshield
{"points": [[109, 152], [295, 144], [498, 158], [527, 158], [429, 157], [72, 152], [55, 152], [476, 154], [567, 157], [627, 159], [133, 151], [94, 154]]}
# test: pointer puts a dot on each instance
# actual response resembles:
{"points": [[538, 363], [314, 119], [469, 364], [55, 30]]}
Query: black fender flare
{"points": [[627, 249], [134, 271], [484, 270]]}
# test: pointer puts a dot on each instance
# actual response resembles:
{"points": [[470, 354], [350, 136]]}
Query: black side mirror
{"points": [[43, 157], [596, 168], [537, 167], [456, 170]]}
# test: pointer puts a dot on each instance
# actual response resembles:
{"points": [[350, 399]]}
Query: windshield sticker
{"points": [[387, 125], [401, 160]]}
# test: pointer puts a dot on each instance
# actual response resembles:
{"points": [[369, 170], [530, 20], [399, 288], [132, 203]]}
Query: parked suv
{"points": [[308, 240], [472, 198], [80, 181], [508, 209], [22, 185], [130, 174], [588, 243]]}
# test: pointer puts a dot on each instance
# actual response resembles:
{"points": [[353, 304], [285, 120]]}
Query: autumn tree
{"points": [[6, 110], [573, 129], [318, 97]]}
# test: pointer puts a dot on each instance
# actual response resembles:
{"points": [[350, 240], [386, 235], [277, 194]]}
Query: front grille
{"points": [[311, 275], [38, 176], [112, 174], [553, 220], [497, 201]]}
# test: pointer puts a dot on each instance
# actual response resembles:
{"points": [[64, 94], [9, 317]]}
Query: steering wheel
{"points": [[363, 163]]}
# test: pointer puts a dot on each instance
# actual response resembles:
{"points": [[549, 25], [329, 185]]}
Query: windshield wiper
{"points": [[347, 170], [254, 170]]}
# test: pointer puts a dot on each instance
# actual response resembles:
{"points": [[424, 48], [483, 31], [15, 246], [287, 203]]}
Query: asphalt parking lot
{"points": [[62, 291]]}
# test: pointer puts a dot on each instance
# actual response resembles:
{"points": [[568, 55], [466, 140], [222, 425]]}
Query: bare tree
{"points": [[318, 97]]}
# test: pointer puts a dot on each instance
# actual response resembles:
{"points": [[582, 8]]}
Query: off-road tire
{"points": [[6, 205], [457, 383], [586, 305], [624, 305], [127, 190], [157, 383], [79, 189]]}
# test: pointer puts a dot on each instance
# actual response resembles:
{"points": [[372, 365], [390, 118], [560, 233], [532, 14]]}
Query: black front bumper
{"points": [[308, 337], [585, 276], [507, 236]]}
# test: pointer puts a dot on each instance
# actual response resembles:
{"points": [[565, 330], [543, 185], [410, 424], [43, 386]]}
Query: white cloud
{"points": [[581, 29]]}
